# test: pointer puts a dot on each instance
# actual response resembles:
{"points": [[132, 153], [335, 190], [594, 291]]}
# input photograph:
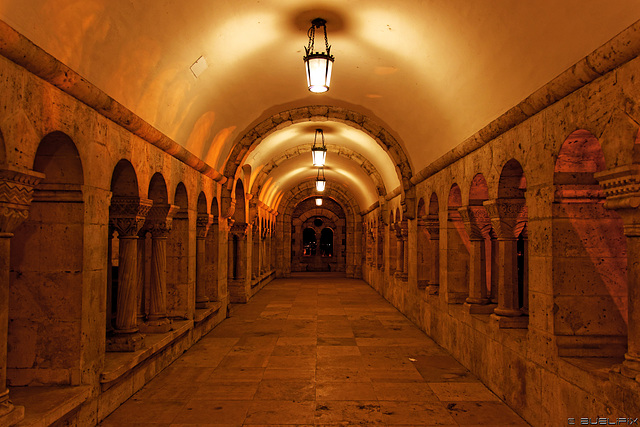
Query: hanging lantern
{"points": [[318, 65], [320, 181], [318, 153], [318, 201]]}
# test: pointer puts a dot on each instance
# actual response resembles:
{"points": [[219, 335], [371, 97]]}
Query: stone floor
{"points": [[317, 349]]}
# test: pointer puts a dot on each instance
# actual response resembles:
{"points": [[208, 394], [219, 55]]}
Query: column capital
{"points": [[508, 216], [622, 189], [476, 221], [16, 194], [159, 220], [239, 229], [203, 224], [127, 214]]}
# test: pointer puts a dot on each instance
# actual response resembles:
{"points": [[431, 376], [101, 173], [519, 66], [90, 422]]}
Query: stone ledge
{"points": [[118, 364], [588, 373], [45, 406], [204, 313]]}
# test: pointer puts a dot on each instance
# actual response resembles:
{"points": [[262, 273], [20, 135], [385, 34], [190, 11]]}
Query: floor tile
{"points": [[308, 351]]}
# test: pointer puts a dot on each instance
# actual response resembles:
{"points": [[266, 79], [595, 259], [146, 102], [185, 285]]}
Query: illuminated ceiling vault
{"points": [[431, 73]]}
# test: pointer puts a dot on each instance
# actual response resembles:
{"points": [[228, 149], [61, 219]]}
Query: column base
{"points": [[434, 289], [507, 322], [630, 368], [477, 308], [203, 304], [10, 414], [508, 312], [157, 326], [125, 342]]}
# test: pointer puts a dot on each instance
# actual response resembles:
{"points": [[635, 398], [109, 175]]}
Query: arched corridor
{"points": [[184, 221], [321, 349]]}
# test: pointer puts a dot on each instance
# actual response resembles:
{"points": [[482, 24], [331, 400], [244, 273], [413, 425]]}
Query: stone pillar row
{"points": [[16, 194]]}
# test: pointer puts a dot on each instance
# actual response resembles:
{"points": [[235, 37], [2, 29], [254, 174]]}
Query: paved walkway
{"points": [[317, 349]]}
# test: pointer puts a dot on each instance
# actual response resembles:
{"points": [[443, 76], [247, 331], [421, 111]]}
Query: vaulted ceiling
{"points": [[431, 73]]}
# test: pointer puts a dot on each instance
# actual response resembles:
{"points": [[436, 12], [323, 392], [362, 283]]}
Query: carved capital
{"points": [[432, 225], [508, 216], [127, 214], [239, 230], [476, 221], [159, 220], [622, 188], [16, 194], [203, 223]]}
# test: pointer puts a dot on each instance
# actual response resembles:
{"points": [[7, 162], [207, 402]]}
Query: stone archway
{"points": [[252, 137]]}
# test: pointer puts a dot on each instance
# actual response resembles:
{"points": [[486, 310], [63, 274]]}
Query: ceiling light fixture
{"points": [[318, 65], [320, 181], [318, 153], [318, 201]]}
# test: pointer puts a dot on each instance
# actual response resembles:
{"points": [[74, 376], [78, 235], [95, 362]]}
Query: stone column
{"points": [[399, 261], [402, 254], [127, 216], [16, 193], [203, 224], [506, 218], [432, 225], [475, 218], [141, 275], [264, 265], [381, 261], [255, 250], [237, 284], [622, 189], [159, 223]]}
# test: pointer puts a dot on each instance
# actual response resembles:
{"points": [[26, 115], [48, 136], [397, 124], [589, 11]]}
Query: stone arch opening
{"points": [[482, 245], [127, 215], [590, 269], [509, 218], [152, 259], [47, 267], [309, 252], [252, 137], [351, 244]]}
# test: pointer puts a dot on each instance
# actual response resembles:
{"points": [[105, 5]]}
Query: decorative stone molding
{"points": [[240, 230], [508, 216], [622, 189], [127, 214], [203, 224], [476, 221], [159, 220], [16, 194]]}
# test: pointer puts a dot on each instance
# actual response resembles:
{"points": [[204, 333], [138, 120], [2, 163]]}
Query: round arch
{"points": [[253, 136]]}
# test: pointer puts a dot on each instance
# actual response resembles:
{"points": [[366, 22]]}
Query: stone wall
{"points": [[555, 197]]}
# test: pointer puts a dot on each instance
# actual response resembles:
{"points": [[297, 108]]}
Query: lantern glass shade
{"points": [[318, 67], [318, 201], [319, 155], [320, 183]]}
